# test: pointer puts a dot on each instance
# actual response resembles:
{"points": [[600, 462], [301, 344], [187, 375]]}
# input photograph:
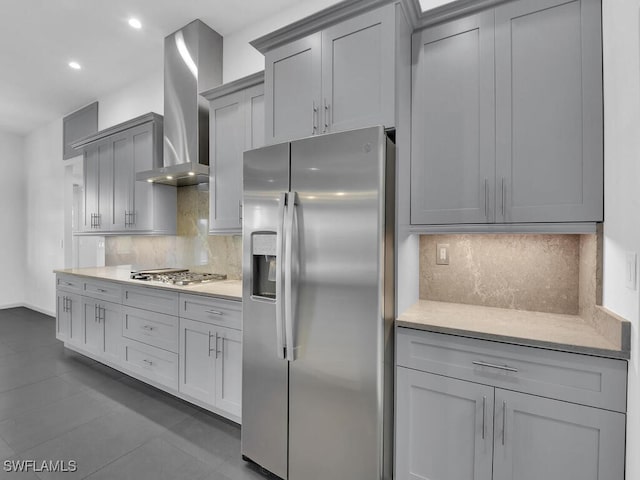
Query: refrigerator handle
{"points": [[290, 244], [281, 347]]}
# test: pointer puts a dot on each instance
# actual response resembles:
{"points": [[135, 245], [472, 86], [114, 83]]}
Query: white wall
{"points": [[12, 219], [44, 173], [621, 40]]}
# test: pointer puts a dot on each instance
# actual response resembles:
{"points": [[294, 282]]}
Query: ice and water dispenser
{"points": [[264, 265]]}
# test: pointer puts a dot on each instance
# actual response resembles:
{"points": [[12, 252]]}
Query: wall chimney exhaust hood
{"points": [[192, 64]]}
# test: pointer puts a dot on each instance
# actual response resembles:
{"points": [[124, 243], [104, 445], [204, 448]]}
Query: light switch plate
{"points": [[631, 269], [442, 254]]}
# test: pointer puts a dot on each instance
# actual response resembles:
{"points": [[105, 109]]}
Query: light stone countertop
{"points": [[569, 333], [227, 289]]}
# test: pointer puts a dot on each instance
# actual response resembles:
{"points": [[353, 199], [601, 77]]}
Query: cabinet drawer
{"points": [[226, 313], [155, 329], [150, 362], [583, 379], [153, 299], [111, 292], [69, 283]]}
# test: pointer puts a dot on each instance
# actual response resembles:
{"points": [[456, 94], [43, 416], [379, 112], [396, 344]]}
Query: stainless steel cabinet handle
{"points": [[326, 116], [68, 283], [484, 410], [504, 421], [64, 304], [147, 327], [69, 305], [102, 290], [486, 198], [504, 197], [314, 118], [95, 312], [240, 210], [210, 335], [217, 351], [288, 280], [215, 312], [280, 232], [148, 362], [493, 365]]}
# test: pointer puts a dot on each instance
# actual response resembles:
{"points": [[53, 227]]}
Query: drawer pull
{"points": [[493, 365], [68, 284], [215, 312], [148, 362], [147, 327], [102, 290]]}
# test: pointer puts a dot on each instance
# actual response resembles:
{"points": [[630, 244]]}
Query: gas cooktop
{"points": [[176, 276]]}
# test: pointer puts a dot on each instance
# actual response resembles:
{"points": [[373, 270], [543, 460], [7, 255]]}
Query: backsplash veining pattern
{"points": [[524, 272], [192, 247]]}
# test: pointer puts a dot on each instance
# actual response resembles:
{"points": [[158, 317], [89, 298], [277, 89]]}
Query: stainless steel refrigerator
{"points": [[318, 302]]}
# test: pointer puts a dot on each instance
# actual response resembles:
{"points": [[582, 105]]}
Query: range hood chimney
{"points": [[192, 64]]}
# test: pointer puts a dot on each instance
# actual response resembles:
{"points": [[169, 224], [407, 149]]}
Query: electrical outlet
{"points": [[442, 254], [631, 269]]}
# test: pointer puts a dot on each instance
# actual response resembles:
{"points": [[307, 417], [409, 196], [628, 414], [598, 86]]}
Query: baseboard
{"points": [[30, 307]]}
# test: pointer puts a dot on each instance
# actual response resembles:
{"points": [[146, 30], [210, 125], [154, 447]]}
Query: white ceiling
{"points": [[39, 37]]}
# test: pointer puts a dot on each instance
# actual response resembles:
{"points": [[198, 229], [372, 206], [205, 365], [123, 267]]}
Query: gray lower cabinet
{"points": [[480, 427], [211, 364], [507, 119], [114, 202], [236, 124], [102, 328], [340, 78], [68, 316], [444, 428]]}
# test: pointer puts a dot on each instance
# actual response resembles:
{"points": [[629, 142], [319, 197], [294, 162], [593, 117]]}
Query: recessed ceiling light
{"points": [[135, 23], [191, 174], [75, 65]]}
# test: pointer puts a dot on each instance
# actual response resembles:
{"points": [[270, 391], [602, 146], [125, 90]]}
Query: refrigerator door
{"points": [[264, 373], [336, 377]]}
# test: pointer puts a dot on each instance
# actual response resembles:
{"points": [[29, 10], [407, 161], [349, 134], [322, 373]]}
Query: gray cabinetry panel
{"points": [[549, 111], [547, 439], [105, 186], [453, 157], [358, 73], [292, 88], [123, 181], [444, 428], [91, 188]]}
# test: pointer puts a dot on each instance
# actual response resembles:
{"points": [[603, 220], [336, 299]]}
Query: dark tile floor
{"points": [[58, 405]]}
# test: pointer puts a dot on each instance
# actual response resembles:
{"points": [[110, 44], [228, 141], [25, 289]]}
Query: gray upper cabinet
{"points": [[114, 202], [549, 119], [337, 79], [292, 90], [507, 116], [453, 153], [236, 124]]}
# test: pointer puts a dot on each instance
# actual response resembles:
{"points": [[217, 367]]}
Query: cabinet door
{"points": [[111, 323], [91, 188], [538, 438], [358, 72], [549, 111], [123, 181], [227, 141], [292, 90], [229, 370], [197, 360], [92, 331], [62, 316], [254, 117], [444, 428], [453, 136], [142, 204], [105, 186], [75, 312]]}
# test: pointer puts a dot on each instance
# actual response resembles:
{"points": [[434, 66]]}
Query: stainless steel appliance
{"points": [[318, 300], [176, 276], [192, 64]]}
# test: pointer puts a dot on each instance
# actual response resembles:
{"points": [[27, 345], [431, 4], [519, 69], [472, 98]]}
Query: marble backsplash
{"points": [[192, 247], [546, 273]]}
